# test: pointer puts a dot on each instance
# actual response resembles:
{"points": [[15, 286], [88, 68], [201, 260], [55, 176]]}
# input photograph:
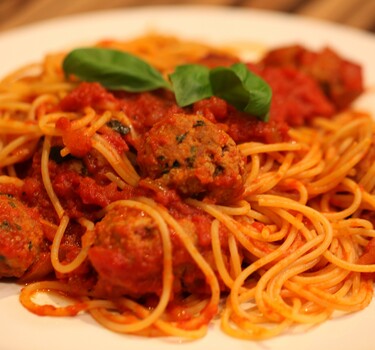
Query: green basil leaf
{"points": [[243, 89], [260, 93], [116, 70], [228, 86], [191, 83], [237, 85]]}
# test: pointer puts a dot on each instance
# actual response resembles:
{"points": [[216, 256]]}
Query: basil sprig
{"points": [[236, 84], [118, 70]]}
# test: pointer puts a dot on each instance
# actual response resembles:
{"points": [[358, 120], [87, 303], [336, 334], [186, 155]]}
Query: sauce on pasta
{"points": [[156, 219]]}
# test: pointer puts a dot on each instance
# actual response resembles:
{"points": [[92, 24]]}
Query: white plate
{"points": [[22, 330]]}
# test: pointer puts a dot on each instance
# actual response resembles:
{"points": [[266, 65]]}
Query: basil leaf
{"points": [[237, 85], [113, 69], [191, 83], [243, 89], [228, 86], [260, 93]]}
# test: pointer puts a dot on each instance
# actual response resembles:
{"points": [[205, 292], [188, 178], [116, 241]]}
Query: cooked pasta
{"points": [[157, 219]]}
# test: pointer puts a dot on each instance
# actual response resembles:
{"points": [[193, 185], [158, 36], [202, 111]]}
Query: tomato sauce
{"points": [[89, 95], [340, 79], [301, 91], [298, 84]]}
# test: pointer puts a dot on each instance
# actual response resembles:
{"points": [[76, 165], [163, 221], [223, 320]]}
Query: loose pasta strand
{"points": [[288, 253]]}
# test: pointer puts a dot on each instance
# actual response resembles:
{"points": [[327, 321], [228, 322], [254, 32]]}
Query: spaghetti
{"points": [[156, 219]]}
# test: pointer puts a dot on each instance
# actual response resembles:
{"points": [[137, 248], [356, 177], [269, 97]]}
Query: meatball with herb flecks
{"points": [[21, 236], [127, 253], [190, 154]]}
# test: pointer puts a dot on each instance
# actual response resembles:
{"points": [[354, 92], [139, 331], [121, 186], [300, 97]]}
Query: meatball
{"points": [[127, 253], [340, 79], [190, 154], [21, 237]]}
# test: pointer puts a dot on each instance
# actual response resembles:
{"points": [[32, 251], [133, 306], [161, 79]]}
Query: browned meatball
{"points": [[127, 253], [194, 156], [341, 80], [21, 236]]}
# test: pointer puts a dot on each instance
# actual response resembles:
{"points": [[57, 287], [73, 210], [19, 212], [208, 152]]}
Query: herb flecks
{"points": [[199, 123], [191, 160], [118, 127], [218, 170], [5, 225], [6, 195], [166, 168], [180, 138], [224, 150]]}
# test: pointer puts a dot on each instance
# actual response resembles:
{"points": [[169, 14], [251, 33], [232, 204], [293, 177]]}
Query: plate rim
{"points": [[58, 21]]}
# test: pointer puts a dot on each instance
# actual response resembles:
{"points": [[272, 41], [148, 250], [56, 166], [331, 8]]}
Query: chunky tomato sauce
{"points": [[301, 91]]}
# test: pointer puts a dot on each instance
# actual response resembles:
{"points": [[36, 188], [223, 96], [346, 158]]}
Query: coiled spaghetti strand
{"points": [[167, 271], [211, 279]]}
